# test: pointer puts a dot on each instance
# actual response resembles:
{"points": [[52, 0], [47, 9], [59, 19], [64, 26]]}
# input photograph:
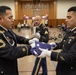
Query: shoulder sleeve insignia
{"points": [[46, 32], [2, 44]]}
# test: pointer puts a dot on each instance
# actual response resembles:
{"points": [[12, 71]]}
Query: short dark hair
{"points": [[3, 9], [72, 9]]}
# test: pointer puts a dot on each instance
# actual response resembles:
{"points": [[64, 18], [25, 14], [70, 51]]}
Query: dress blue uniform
{"points": [[41, 61], [9, 52], [67, 57]]}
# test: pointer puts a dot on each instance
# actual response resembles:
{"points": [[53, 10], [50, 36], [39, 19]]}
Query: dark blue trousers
{"points": [[40, 62]]}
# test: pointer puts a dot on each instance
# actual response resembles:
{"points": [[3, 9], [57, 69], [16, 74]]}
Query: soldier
{"points": [[9, 52], [67, 56], [43, 36]]}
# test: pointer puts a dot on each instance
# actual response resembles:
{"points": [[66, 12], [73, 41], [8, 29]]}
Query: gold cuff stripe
{"points": [[26, 50], [57, 56]]}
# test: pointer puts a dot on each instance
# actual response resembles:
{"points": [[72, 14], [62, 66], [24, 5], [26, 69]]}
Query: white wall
{"points": [[9, 3], [63, 6]]}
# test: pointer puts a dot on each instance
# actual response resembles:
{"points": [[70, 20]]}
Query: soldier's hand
{"points": [[33, 40], [44, 53], [32, 45], [37, 35]]}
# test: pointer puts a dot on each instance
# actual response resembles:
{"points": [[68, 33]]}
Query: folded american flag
{"points": [[36, 51]]}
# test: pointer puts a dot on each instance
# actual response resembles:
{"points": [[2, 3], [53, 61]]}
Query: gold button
{"points": [[1, 71], [64, 40], [23, 49], [63, 45], [71, 67]]}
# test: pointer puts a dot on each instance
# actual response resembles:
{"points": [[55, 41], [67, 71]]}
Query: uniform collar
{"points": [[3, 28]]}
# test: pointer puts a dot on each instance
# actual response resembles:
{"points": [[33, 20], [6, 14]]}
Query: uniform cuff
{"points": [[54, 56]]}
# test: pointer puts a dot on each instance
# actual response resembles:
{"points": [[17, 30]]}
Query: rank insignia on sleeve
{"points": [[2, 43], [62, 58], [46, 32]]}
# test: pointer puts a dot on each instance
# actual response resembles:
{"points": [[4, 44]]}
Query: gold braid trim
{"points": [[37, 66], [57, 56], [26, 50]]}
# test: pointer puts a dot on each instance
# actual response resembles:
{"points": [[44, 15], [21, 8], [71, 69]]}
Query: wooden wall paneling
{"points": [[16, 13], [20, 11], [53, 22], [27, 8], [45, 8], [60, 21], [52, 13], [16, 9], [55, 8], [48, 7], [37, 9], [55, 13]]}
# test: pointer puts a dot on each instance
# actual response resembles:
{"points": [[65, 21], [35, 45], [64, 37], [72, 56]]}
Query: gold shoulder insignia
{"points": [[46, 32], [57, 56], [2, 31], [62, 58], [2, 44]]}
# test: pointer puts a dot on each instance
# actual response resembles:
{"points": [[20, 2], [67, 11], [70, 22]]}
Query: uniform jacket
{"points": [[67, 57], [43, 32], [9, 52]]}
